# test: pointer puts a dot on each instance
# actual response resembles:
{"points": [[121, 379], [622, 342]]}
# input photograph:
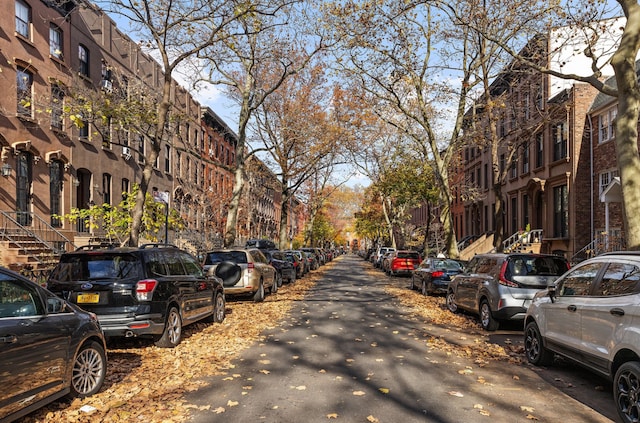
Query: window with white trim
{"points": [[606, 124], [55, 41], [23, 19], [606, 178]]}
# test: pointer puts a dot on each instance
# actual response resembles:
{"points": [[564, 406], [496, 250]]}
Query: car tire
{"points": [[413, 285], [258, 296], [293, 278], [172, 334], [533, 346], [277, 282], [229, 272], [487, 321], [451, 302], [89, 370], [219, 305], [423, 289], [626, 391]]}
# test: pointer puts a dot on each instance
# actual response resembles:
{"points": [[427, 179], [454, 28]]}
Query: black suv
{"points": [[155, 290]]}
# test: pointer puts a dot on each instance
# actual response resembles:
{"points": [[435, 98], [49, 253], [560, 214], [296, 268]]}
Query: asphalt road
{"points": [[349, 352]]}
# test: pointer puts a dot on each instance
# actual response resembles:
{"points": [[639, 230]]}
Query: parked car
{"points": [[284, 268], [320, 259], [312, 260], [500, 287], [434, 274], [261, 244], [590, 316], [49, 348], [153, 290], [376, 258], [402, 262], [299, 261], [244, 271]]}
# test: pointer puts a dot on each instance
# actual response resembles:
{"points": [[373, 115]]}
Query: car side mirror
{"points": [[552, 292], [55, 305]]}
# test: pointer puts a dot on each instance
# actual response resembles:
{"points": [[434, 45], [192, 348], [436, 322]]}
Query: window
{"points": [[513, 169], [486, 176], [525, 159], [83, 130], [559, 133], [55, 41], [125, 187], [606, 124], [619, 279], [108, 136], [514, 214], [141, 149], [179, 164], [106, 188], [578, 282], [83, 58], [525, 210], [23, 19], [24, 84], [55, 192], [539, 150], [57, 102], [560, 212], [167, 158], [606, 178]]}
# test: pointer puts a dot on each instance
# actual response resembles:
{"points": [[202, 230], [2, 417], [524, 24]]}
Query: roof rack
{"points": [[157, 245], [91, 247]]}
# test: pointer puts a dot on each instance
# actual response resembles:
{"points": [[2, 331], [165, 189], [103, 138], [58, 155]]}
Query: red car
{"points": [[402, 262]]}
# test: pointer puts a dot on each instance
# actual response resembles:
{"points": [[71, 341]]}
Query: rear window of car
{"points": [[85, 267], [447, 264], [408, 255], [537, 266], [220, 256]]}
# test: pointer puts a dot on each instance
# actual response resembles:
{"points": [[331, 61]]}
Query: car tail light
{"points": [[145, 288], [250, 267], [502, 280], [437, 274]]}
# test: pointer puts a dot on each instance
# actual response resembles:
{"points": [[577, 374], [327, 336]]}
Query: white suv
{"points": [[592, 316]]}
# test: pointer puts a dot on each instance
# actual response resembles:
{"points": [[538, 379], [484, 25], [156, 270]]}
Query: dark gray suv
{"points": [[152, 290], [500, 287]]}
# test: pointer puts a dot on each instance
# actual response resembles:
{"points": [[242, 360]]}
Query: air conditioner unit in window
{"points": [[126, 153], [106, 86]]}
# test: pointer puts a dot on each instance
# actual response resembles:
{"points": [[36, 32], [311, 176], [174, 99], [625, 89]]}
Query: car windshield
{"points": [[408, 255], [84, 267], [216, 257]]}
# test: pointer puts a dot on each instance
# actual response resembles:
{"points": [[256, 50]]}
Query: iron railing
{"points": [[601, 244], [521, 240], [22, 228]]}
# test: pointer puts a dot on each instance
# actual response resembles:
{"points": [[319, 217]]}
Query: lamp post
{"points": [[6, 170]]}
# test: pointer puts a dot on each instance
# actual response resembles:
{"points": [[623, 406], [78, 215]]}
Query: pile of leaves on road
{"points": [[148, 384]]}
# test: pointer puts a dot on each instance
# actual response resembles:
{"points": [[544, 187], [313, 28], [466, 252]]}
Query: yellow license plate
{"points": [[88, 298]]}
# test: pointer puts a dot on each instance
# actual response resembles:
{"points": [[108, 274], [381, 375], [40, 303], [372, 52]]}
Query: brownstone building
{"points": [[54, 159]]}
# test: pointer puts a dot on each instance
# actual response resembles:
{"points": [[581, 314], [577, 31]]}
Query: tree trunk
{"points": [[623, 62]]}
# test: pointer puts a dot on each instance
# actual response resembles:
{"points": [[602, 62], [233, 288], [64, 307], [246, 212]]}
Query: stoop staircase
{"points": [[29, 244], [523, 242]]}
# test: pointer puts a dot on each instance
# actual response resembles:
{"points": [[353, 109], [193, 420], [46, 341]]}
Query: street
{"points": [[351, 352]]}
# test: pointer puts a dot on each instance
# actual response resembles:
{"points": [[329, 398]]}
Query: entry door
{"points": [[24, 179]]}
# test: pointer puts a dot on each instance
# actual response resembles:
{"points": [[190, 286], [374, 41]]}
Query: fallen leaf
{"points": [[456, 394], [372, 419], [219, 410], [527, 409], [266, 372], [301, 388], [232, 403], [485, 413], [332, 416], [531, 417], [384, 390], [478, 406], [358, 393]]}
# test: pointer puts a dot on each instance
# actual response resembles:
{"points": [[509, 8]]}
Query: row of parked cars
{"points": [[96, 293], [588, 313]]}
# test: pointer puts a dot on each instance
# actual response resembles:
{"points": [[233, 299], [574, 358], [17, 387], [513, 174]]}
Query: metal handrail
{"points": [[520, 239], [31, 225], [601, 244]]}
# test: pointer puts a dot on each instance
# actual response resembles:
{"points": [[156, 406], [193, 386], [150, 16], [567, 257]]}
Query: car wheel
{"points": [[423, 289], [172, 334], [451, 302], [486, 319], [413, 284], [89, 370], [533, 347], [219, 305], [626, 391], [277, 282], [259, 294], [293, 278]]}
